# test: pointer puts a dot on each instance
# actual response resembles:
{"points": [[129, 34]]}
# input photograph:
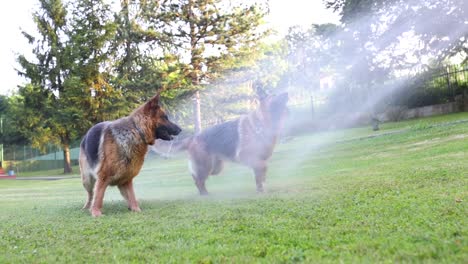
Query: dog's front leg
{"points": [[129, 194], [98, 197], [260, 174]]}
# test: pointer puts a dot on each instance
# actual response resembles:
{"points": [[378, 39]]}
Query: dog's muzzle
{"points": [[167, 132]]}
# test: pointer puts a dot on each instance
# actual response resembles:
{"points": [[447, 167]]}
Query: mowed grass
{"points": [[396, 195]]}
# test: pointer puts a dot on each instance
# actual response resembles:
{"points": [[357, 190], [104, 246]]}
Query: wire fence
{"points": [[25, 158]]}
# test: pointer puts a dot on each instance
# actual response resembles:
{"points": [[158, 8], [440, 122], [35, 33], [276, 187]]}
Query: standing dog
{"points": [[248, 140], [112, 153]]}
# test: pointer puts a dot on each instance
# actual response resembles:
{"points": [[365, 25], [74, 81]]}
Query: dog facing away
{"points": [[248, 140], [112, 152]]}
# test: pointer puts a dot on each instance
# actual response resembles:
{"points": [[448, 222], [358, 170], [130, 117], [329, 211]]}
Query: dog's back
{"points": [[221, 139], [90, 143]]}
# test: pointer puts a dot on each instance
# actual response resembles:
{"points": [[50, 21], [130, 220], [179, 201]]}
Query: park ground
{"points": [[354, 195]]}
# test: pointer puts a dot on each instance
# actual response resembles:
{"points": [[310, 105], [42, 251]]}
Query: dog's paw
{"points": [[96, 213], [86, 207], [135, 209]]}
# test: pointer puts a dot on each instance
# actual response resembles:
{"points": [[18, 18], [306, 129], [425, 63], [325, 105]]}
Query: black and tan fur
{"points": [[112, 152], [248, 140]]}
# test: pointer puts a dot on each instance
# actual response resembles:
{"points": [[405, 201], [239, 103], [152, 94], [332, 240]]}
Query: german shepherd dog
{"points": [[248, 140], [112, 152]]}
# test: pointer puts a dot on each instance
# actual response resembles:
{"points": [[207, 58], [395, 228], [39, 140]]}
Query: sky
{"points": [[16, 16]]}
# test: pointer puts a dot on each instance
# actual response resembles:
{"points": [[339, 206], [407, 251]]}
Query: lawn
{"points": [[396, 195]]}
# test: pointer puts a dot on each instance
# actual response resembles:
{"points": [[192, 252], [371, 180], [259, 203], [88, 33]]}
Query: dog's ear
{"points": [[153, 103]]}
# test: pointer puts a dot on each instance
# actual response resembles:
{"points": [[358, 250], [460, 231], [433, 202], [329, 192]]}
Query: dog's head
{"points": [[162, 127], [275, 108]]}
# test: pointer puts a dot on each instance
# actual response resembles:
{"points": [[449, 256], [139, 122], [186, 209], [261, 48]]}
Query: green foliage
{"points": [[438, 24], [377, 43], [192, 42], [67, 87], [8, 134], [312, 54], [180, 47], [239, 89], [211, 34], [33, 108], [137, 50], [92, 31]]}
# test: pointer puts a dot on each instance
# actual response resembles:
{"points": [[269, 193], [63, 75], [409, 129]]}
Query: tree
{"points": [[311, 53], [8, 131], [137, 49], [47, 76], [382, 40], [249, 80], [67, 91], [439, 25], [91, 35], [209, 35]]}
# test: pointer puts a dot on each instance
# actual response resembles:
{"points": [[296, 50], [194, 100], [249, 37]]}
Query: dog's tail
{"points": [[170, 148]]}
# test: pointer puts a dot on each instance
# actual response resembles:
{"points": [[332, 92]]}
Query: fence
{"points": [[437, 86], [24, 158]]}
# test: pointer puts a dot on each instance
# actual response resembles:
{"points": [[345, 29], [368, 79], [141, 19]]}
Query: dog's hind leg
{"points": [[200, 166], [124, 192], [217, 167], [200, 183], [88, 184], [260, 174], [87, 179], [128, 193], [98, 197], [200, 172]]}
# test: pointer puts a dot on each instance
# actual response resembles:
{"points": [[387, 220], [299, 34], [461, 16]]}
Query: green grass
{"points": [[50, 173], [332, 197]]}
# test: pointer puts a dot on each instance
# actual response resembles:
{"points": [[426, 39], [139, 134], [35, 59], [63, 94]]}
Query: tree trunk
{"points": [[195, 60], [197, 112], [66, 160], [128, 44]]}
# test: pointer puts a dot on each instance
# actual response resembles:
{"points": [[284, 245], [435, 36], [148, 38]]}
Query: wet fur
{"points": [[112, 153]]}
